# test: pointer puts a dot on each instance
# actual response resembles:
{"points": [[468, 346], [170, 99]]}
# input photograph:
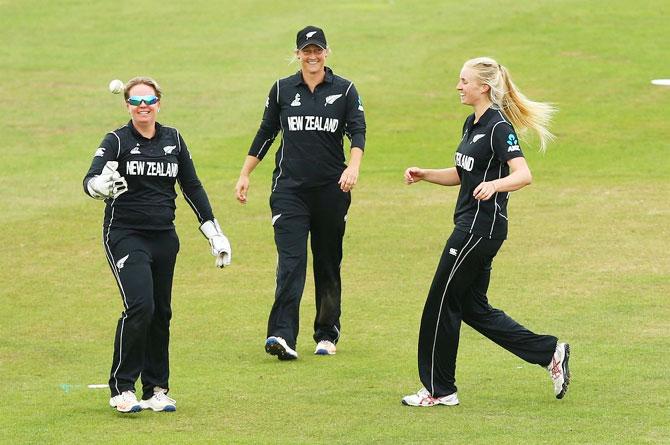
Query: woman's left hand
{"points": [[484, 191], [348, 179]]}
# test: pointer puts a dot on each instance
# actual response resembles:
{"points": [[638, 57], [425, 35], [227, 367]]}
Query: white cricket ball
{"points": [[116, 86]]}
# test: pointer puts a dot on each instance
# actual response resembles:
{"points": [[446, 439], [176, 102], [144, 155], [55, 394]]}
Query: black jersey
{"points": [[313, 125], [151, 168], [481, 156]]}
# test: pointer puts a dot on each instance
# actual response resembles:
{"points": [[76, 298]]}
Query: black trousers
{"points": [[458, 293], [143, 264], [322, 213]]}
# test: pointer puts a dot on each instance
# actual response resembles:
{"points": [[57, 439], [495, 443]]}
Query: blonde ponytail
{"points": [[522, 112]]}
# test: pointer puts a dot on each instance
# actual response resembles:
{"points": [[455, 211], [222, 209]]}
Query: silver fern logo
{"points": [[122, 262]]}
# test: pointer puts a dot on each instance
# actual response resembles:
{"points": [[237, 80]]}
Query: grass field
{"points": [[586, 259]]}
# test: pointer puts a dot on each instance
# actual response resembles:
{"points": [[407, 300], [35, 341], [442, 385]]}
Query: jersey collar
{"points": [[137, 134], [297, 79], [488, 115]]}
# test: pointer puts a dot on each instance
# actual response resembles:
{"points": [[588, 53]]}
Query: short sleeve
{"points": [[505, 142]]}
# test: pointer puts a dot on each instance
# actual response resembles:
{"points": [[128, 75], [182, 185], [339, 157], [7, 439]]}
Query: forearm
{"points": [[250, 163], [355, 157], [444, 176], [514, 181]]}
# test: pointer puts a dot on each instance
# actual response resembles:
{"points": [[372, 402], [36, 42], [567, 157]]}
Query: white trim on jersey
{"points": [[195, 209], [178, 138], [270, 139], [277, 91], [348, 88], [495, 203], [493, 153], [457, 263], [115, 271], [281, 158], [118, 152]]}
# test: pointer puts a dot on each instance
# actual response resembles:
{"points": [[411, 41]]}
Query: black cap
{"points": [[310, 35]]}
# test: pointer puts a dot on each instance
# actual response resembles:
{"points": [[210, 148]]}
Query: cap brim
{"points": [[318, 43]]}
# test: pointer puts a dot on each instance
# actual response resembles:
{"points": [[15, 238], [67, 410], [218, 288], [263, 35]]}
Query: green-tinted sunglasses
{"points": [[137, 100]]}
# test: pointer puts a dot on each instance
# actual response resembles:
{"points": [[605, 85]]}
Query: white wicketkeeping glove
{"points": [[108, 184], [218, 241]]}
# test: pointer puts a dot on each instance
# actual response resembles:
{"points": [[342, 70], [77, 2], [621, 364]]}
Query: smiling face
{"points": [[143, 114], [312, 58], [471, 91]]}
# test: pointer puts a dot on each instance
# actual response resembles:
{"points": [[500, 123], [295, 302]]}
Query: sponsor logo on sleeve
{"points": [[267, 102], [513, 143], [453, 251], [360, 104], [100, 152]]}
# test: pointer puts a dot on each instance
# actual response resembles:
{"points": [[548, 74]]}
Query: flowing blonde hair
{"points": [[522, 112]]}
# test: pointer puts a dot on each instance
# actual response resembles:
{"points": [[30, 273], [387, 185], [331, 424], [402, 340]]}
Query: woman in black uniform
{"points": [[311, 184], [489, 165], [134, 171]]}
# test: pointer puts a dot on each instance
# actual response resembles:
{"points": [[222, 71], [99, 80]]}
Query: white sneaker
{"points": [[559, 371], [278, 346], [325, 347], [159, 401], [423, 398], [126, 402]]}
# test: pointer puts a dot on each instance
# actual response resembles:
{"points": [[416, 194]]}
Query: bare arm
{"points": [[518, 178], [444, 176], [242, 185], [349, 176]]}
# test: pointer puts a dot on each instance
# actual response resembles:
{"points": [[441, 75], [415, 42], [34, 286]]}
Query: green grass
{"points": [[586, 258]]}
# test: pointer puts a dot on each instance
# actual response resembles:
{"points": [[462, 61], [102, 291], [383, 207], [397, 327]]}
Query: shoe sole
{"points": [[429, 406], [167, 409], [566, 373], [323, 352], [134, 409], [273, 347]]}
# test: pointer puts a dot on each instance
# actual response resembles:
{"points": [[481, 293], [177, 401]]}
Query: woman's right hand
{"points": [[241, 189], [414, 174]]}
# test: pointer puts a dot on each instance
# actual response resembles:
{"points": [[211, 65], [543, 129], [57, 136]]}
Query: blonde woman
{"points": [[489, 164], [311, 189]]}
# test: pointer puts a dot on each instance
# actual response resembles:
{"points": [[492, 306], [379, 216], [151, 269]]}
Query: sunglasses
{"points": [[137, 100]]}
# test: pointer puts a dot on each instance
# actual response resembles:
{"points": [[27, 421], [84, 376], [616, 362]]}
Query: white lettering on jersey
{"points": [[312, 123], [465, 162], [513, 148], [295, 123], [152, 168]]}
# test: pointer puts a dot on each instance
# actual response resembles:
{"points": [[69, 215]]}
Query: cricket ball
{"points": [[115, 86]]}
